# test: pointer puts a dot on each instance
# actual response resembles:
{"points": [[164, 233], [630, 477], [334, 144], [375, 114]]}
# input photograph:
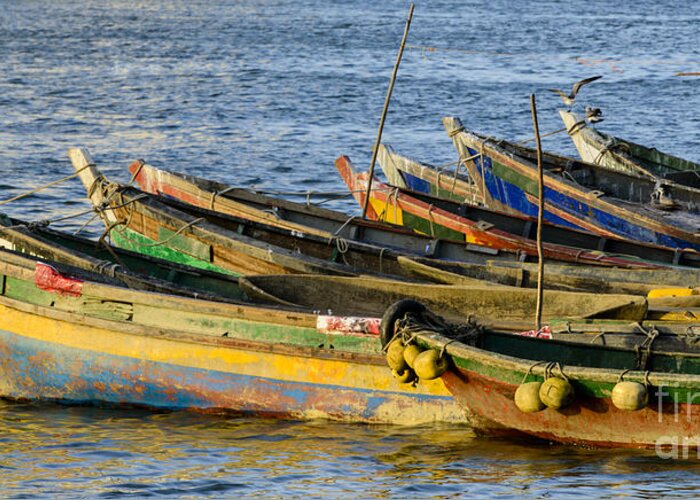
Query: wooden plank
{"points": [[182, 243]]}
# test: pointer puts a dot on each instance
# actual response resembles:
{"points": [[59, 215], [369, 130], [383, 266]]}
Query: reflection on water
{"points": [[53, 450]]}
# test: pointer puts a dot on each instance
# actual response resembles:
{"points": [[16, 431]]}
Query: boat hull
{"points": [[591, 421], [74, 359], [510, 183]]}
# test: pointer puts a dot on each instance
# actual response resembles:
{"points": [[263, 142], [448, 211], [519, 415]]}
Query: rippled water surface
{"points": [[267, 93], [57, 451]]}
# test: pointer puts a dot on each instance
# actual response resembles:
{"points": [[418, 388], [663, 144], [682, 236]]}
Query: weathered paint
{"points": [[435, 219], [347, 325], [137, 242], [620, 154], [509, 183], [485, 383], [49, 279], [71, 359]]}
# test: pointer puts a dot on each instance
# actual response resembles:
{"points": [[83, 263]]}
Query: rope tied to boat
{"points": [[455, 131], [529, 370], [107, 268], [644, 350], [381, 254], [162, 242], [350, 219], [46, 186], [382, 216], [138, 171], [430, 220], [413, 324], [214, 194]]}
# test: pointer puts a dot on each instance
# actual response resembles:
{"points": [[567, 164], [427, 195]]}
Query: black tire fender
{"points": [[395, 312]]}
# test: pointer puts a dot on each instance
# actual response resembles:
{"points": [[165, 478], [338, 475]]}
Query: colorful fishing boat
{"points": [[106, 343], [577, 194], [74, 336], [556, 390], [451, 190], [399, 207], [220, 242], [628, 157], [311, 219]]}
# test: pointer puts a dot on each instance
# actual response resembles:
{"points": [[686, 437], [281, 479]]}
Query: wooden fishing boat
{"points": [[557, 276], [212, 240], [399, 207], [449, 190], [121, 267], [566, 392], [577, 194], [371, 296], [628, 157], [74, 336], [310, 219]]}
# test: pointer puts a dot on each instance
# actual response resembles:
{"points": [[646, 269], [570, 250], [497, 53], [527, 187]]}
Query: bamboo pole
{"points": [[384, 111], [540, 214]]}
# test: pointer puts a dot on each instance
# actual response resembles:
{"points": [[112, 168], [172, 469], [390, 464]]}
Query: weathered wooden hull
{"points": [[67, 339], [556, 276], [217, 241], [73, 360], [451, 189], [371, 296], [509, 182], [485, 382], [630, 158], [398, 207]]}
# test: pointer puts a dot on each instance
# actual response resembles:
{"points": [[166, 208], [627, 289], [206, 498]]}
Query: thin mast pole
{"points": [[384, 111], [540, 214]]}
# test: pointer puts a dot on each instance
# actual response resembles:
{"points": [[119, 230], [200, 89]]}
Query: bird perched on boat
{"points": [[661, 198], [593, 115], [571, 98]]}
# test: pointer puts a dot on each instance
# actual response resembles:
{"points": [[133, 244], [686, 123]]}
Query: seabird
{"points": [[594, 115], [569, 99]]}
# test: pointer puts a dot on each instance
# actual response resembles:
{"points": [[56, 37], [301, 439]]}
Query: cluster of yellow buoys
{"points": [[408, 362], [553, 393], [557, 393]]}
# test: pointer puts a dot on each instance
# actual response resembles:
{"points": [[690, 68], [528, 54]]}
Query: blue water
{"points": [[267, 94]]}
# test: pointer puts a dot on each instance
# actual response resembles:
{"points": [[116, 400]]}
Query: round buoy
{"points": [[405, 377], [394, 356], [556, 393], [395, 312], [527, 397], [410, 353], [630, 396], [428, 365]]}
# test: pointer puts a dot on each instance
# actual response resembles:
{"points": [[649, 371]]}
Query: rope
{"points": [[529, 370], [45, 186], [214, 194], [138, 171], [530, 139], [430, 220], [157, 243], [337, 232], [381, 254], [456, 131], [622, 375], [412, 325], [87, 223]]}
